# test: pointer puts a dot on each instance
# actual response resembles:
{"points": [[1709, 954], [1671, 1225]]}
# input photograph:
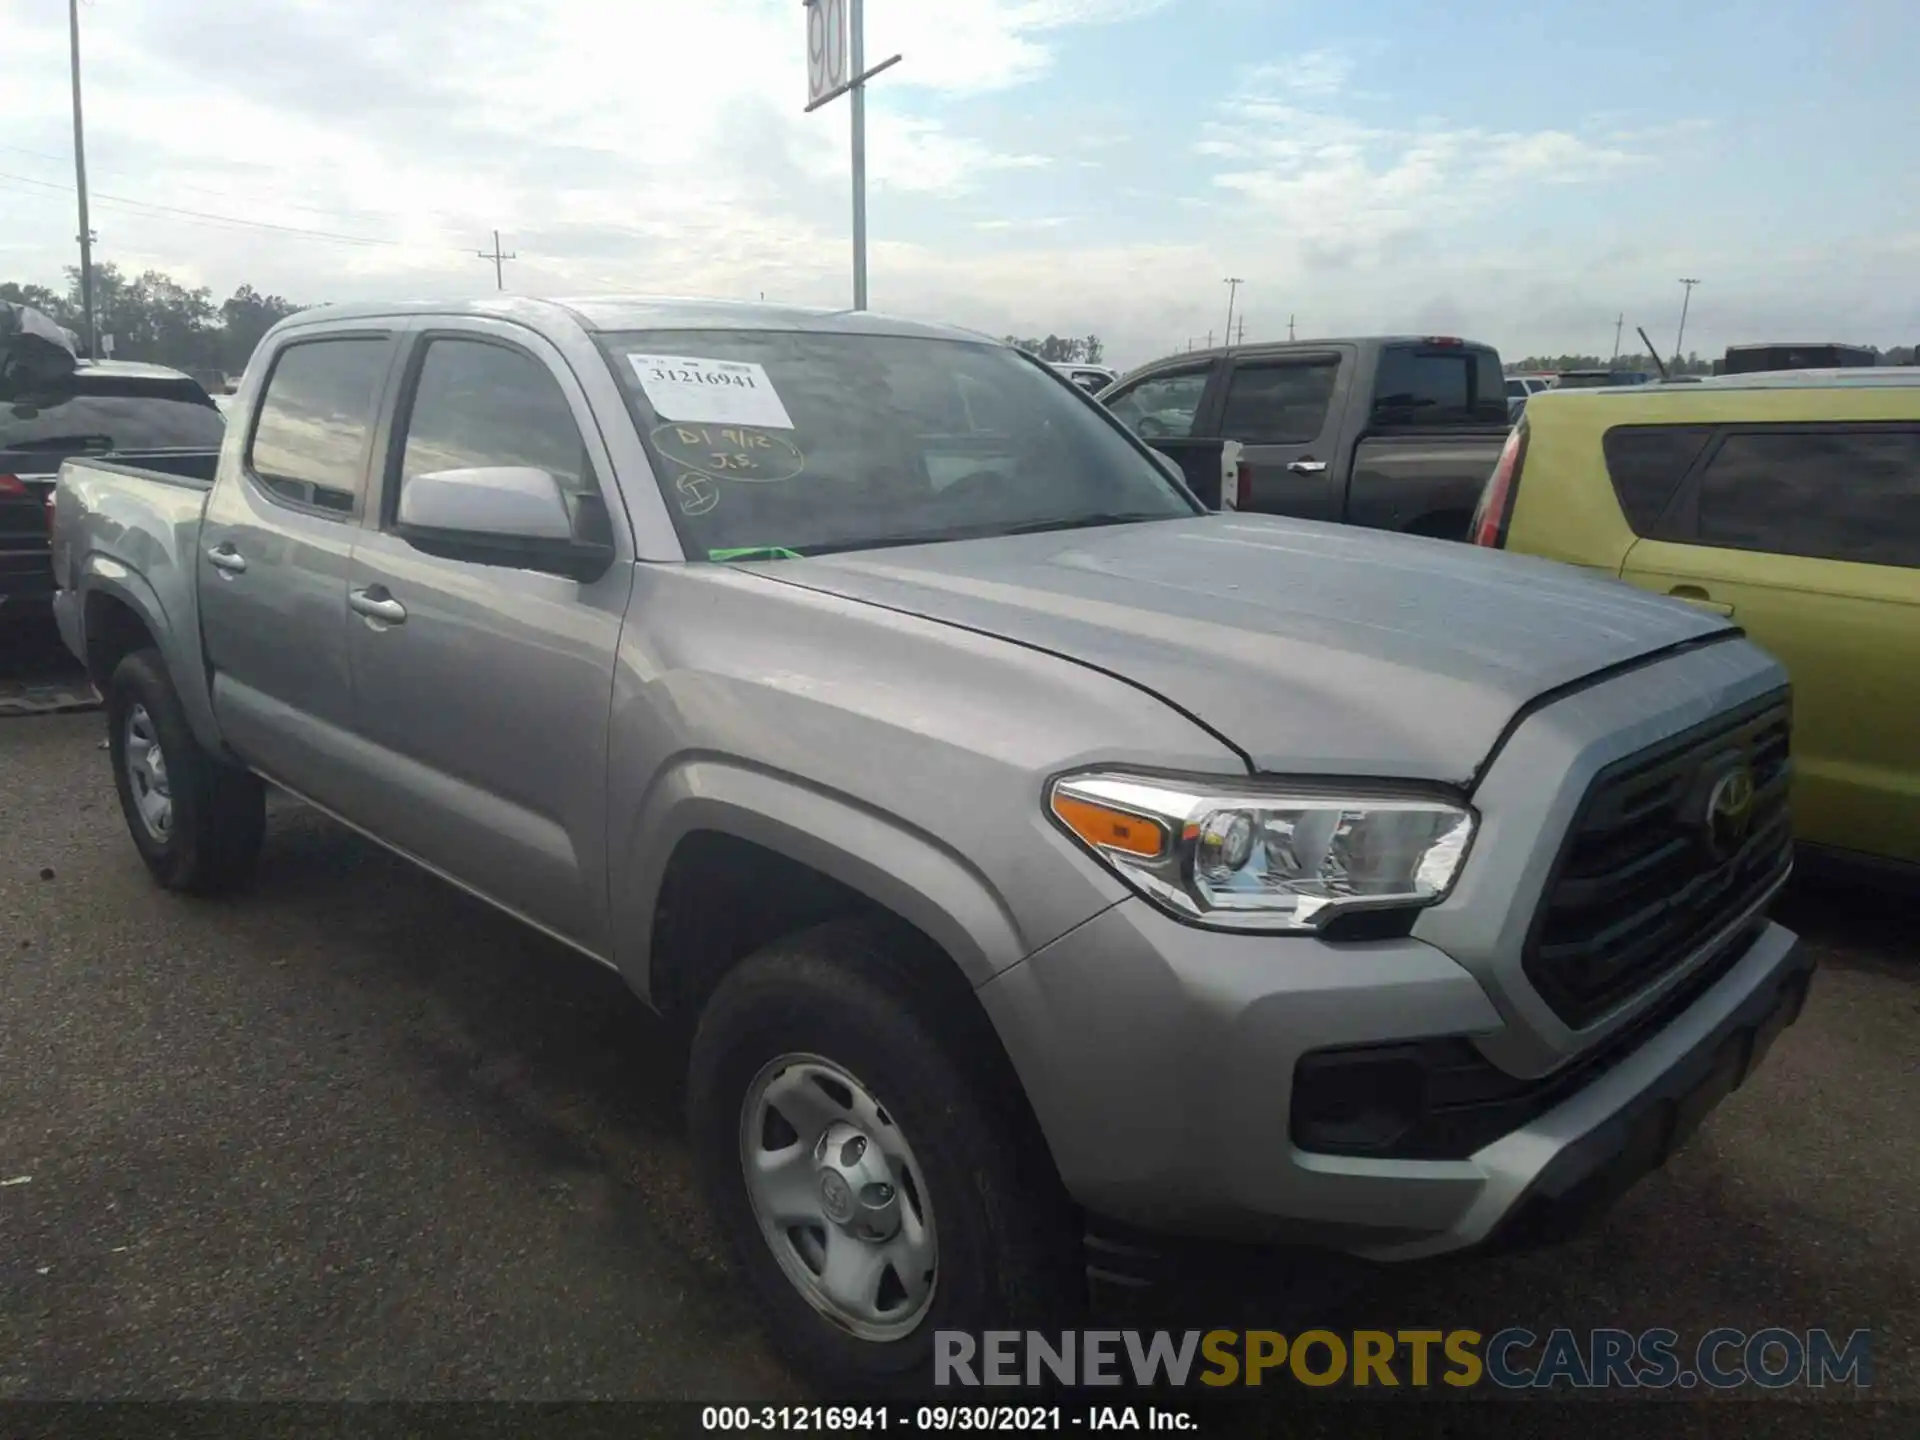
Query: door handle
{"points": [[1695, 595], [224, 557], [376, 604], [1307, 467]]}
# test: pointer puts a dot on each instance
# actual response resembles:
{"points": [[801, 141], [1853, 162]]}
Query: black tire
{"points": [[1009, 1253], [219, 811]]}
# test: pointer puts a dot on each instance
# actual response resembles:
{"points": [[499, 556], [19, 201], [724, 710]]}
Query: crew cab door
{"points": [[1808, 536], [274, 549], [481, 686], [1286, 412]]}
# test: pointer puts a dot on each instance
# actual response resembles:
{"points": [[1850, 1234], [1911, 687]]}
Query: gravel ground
{"points": [[353, 1135]]}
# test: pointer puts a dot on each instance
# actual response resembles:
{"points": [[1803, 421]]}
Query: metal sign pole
{"points": [[859, 162], [828, 24]]}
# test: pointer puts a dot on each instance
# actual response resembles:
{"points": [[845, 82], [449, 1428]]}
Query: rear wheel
{"points": [[197, 822], [866, 1166]]}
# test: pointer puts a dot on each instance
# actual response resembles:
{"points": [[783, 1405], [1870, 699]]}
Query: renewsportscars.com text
{"points": [[1513, 1359]]}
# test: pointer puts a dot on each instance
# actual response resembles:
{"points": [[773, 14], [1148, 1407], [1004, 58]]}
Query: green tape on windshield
{"points": [[755, 552]]}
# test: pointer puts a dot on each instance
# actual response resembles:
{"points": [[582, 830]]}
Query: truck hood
{"points": [[1311, 648]]}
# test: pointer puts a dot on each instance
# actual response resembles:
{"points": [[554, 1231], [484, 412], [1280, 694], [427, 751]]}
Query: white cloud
{"points": [[1322, 178], [660, 145]]}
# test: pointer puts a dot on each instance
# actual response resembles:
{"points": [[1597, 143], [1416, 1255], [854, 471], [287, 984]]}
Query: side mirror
{"points": [[513, 515], [1167, 463]]}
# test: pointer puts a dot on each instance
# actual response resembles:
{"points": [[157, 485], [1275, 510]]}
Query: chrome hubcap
{"points": [[146, 767], [840, 1198]]}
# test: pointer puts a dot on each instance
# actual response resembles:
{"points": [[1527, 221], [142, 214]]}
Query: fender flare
{"points": [[904, 869], [103, 575]]}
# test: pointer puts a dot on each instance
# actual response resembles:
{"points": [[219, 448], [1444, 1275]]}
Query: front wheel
{"points": [[197, 822], [865, 1167]]}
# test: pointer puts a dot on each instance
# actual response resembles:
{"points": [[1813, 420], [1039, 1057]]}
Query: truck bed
{"points": [[1423, 481], [193, 468]]}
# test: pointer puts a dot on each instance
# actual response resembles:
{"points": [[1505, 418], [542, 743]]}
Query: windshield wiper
{"points": [[912, 537], [754, 552], [990, 531], [1084, 522], [61, 442]]}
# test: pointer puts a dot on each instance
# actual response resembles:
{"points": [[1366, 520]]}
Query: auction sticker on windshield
{"points": [[719, 392]]}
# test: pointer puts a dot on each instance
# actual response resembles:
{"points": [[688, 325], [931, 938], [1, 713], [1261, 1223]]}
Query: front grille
{"points": [[1639, 883]]}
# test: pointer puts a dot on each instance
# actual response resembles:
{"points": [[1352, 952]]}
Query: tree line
{"points": [[152, 317], [1082, 350], [1691, 364]]}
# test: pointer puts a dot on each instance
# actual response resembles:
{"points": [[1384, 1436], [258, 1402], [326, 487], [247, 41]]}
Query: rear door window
{"points": [[1647, 463], [1830, 494], [1426, 386], [310, 442], [1279, 404]]}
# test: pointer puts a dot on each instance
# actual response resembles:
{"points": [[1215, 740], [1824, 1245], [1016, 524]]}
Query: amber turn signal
{"points": [[1109, 829]]}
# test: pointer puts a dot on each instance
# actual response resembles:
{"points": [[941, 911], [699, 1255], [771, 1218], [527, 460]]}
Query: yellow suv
{"points": [[1789, 501]]}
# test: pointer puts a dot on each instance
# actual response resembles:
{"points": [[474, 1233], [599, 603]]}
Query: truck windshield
{"points": [[774, 443]]}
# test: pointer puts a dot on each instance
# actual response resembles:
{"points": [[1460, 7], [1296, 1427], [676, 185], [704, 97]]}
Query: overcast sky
{"points": [[1518, 173]]}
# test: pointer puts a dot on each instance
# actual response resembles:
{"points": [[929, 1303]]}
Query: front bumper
{"points": [[1160, 1058]]}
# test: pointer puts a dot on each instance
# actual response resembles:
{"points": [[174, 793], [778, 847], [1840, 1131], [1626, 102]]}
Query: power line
{"points": [[172, 184], [679, 228], [206, 217]]}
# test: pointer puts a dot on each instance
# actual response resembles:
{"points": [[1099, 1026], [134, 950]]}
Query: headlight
{"points": [[1260, 856]]}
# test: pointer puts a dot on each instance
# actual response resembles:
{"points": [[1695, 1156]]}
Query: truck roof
{"points": [[1796, 345], [129, 370], [1260, 348], [648, 312], [1853, 378]]}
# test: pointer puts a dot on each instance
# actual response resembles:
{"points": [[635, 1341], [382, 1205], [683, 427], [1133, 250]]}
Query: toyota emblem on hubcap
{"points": [[836, 1198]]}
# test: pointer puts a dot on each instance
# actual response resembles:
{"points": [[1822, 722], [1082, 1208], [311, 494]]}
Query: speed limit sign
{"points": [[826, 47]]}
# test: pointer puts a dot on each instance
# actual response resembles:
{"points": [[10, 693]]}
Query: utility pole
{"points": [[1209, 339], [499, 279], [80, 180], [1619, 321], [1233, 284], [1289, 328], [1684, 299], [1241, 337], [828, 25]]}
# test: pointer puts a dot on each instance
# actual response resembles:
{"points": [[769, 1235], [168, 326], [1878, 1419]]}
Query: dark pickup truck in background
{"points": [[55, 406], [1396, 433]]}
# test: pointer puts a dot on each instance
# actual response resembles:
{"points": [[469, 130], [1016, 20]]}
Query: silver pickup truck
{"points": [[1051, 873]]}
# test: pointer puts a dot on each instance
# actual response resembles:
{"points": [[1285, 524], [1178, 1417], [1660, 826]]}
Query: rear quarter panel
{"points": [[1428, 483], [1564, 506], [122, 534]]}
